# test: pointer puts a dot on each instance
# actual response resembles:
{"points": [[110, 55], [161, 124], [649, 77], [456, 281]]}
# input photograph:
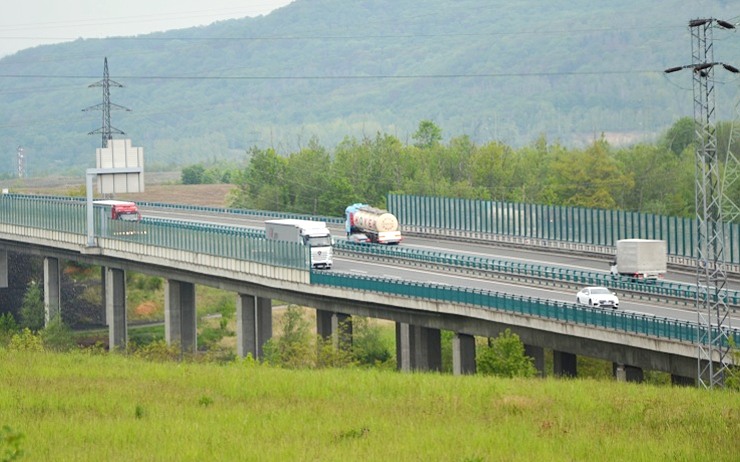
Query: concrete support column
{"points": [[115, 306], [52, 289], [463, 354], [106, 314], [418, 348], [538, 356], [625, 373], [180, 324], [679, 380], [404, 347], [3, 269], [337, 326], [564, 364], [253, 325]]}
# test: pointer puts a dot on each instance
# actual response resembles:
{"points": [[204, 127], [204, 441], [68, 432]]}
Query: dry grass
{"points": [[160, 187]]}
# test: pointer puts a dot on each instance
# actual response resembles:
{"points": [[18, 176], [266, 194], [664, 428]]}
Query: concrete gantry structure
{"points": [[419, 320]]}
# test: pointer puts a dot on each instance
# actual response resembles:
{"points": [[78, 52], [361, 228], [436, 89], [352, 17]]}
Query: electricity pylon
{"points": [[714, 329], [106, 130]]}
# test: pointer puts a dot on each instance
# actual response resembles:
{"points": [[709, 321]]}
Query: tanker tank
{"points": [[380, 226]]}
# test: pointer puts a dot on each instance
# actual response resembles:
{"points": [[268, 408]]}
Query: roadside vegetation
{"points": [[87, 405], [651, 178], [353, 404]]}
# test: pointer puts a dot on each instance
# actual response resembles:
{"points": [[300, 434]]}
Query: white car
{"points": [[599, 297]]}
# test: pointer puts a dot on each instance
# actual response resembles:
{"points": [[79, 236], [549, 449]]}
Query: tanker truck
{"points": [[380, 226]]}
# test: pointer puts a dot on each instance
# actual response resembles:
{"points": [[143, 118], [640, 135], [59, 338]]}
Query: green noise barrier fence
{"points": [[566, 312], [549, 222]]}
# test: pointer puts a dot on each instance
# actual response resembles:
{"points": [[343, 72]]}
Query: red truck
{"points": [[121, 210]]}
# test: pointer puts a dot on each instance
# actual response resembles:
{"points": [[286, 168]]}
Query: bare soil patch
{"points": [[160, 187]]}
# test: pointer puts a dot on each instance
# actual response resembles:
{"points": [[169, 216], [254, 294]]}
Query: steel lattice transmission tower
{"points": [[731, 175], [714, 355], [106, 130], [21, 158]]}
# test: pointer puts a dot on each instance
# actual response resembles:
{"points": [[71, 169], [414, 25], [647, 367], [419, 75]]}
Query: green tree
{"points": [[680, 136], [505, 357], [588, 178], [427, 135], [654, 178], [193, 174], [8, 327], [293, 349], [261, 185], [32, 309], [57, 336], [307, 180], [368, 345]]}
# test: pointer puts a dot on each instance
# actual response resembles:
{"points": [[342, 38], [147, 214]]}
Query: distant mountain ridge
{"points": [[327, 69]]}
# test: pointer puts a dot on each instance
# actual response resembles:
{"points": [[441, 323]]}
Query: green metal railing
{"points": [[70, 215], [569, 224], [245, 212], [567, 312], [674, 290]]}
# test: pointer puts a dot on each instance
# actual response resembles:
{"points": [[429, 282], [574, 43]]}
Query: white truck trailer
{"points": [[313, 234], [640, 259]]}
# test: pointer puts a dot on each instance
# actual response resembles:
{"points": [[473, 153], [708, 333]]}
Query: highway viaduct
{"points": [[418, 321]]}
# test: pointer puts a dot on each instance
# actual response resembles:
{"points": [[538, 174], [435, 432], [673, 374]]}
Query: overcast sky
{"points": [[29, 23]]}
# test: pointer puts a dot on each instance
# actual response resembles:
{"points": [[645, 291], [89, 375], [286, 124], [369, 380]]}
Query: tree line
{"points": [[653, 177]]}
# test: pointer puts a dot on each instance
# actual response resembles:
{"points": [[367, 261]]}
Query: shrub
{"points": [[57, 336], [32, 308], [26, 340], [505, 357]]}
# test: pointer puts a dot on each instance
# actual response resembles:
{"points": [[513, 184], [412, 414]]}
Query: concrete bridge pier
{"points": [[3, 269], [626, 373], [418, 348], [564, 364], [463, 354], [337, 326], [538, 356], [115, 308], [52, 289], [679, 380], [180, 323], [253, 325]]}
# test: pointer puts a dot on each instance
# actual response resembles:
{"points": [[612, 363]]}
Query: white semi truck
{"points": [[640, 259], [313, 234]]}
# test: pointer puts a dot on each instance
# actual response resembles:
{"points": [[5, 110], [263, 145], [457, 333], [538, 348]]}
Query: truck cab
{"points": [[120, 210], [312, 234]]}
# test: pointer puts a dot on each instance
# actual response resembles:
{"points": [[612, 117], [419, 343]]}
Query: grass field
{"points": [[82, 406]]}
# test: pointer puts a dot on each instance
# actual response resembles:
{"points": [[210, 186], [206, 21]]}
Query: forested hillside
{"points": [[326, 69]]}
